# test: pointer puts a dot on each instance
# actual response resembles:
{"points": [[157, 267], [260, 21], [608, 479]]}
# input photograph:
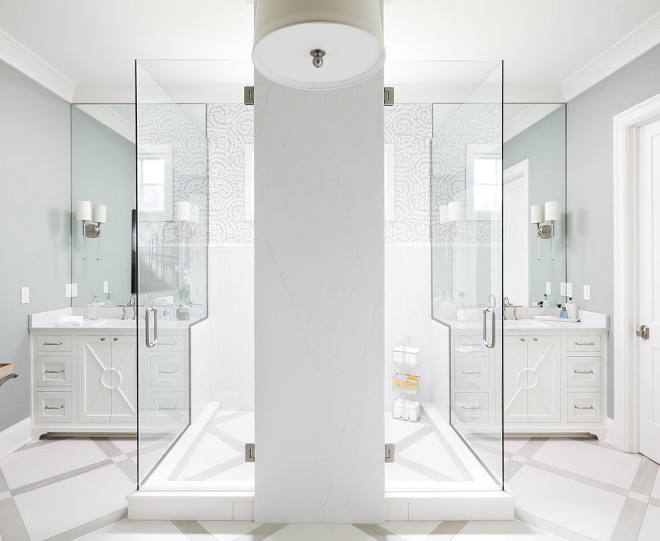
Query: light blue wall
{"points": [[103, 172], [544, 145], [35, 232], [589, 194]]}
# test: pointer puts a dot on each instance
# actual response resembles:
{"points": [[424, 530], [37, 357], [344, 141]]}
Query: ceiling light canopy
{"points": [[318, 44]]}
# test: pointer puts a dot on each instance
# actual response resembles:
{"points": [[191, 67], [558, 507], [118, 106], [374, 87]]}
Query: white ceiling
{"points": [[552, 49]]}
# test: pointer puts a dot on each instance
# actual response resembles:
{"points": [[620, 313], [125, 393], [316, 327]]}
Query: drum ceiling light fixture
{"points": [[318, 44]]}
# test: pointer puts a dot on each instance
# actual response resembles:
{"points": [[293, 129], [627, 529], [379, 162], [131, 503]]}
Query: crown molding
{"points": [[109, 118], [529, 116], [35, 68], [104, 94], [640, 40]]}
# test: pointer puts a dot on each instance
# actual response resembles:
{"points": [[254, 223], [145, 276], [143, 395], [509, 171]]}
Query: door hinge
{"points": [[249, 452], [248, 95], [389, 95], [389, 452]]}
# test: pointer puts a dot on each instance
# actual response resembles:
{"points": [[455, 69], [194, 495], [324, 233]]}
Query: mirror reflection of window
{"points": [[155, 186]]}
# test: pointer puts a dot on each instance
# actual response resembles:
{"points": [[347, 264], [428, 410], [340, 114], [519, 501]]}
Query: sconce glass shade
{"points": [[98, 214], [538, 214], [350, 32], [84, 210], [552, 211]]}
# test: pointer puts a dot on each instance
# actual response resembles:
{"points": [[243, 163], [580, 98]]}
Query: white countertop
{"points": [[588, 321], [109, 318]]}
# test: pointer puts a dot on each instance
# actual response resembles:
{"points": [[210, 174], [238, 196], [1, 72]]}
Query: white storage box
{"points": [[408, 410], [407, 355]]}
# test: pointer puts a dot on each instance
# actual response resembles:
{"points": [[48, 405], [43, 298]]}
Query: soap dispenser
{"points": [[93, 307]]}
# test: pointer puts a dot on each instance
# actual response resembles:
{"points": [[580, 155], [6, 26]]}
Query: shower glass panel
{"points": [[466, 244], [170, 259]]}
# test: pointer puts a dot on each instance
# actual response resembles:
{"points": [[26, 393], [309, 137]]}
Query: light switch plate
{"points": [[74, 290], [68, 290], [548, 288], [587, 293], [569, 289], [562, 289], [105, 286], [25, 295]]}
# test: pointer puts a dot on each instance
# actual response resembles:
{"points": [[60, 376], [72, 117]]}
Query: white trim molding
{"points": [[35, 68], [625, 433], [15, 437]]}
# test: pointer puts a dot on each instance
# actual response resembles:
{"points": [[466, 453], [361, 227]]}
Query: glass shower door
{"points": [[466, 236]]}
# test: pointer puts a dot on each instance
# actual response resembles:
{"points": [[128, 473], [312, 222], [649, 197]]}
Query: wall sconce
{"points": [[85, 212], [549, 212]]}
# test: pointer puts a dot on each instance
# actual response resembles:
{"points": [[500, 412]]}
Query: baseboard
{"points": [[15, 436], [612, 433]]}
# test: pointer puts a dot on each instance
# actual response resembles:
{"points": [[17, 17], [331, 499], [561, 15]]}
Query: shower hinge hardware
{"points": [[248, 95], [389, 96], [249, 452], [389, 452]]}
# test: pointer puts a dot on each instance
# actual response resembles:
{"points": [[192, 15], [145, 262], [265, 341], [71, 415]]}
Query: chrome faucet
{"points": [[506, 303], [133, 304]]}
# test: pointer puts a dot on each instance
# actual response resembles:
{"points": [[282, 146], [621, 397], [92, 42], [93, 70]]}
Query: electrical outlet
{"points": [[569, 289], [105, 286], [74, 290], [548, 288], [68, 291], [25, 295], [587, 293], [562, 289]]}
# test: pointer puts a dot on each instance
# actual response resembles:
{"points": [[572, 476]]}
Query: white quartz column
{"points": [[319, 252]]}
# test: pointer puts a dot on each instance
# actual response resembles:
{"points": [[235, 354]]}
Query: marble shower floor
{"points": [[429, 456]]}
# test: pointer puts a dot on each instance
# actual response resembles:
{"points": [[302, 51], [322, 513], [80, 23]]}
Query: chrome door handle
{"points": [[151, 344], [491, 344], [643, 332]]}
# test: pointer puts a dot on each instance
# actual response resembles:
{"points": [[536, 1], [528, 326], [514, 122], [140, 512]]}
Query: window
{"points": [[483, 182], [155, 183]]}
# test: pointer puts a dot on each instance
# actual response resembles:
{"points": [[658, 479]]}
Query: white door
{"points": [[649, 289]]}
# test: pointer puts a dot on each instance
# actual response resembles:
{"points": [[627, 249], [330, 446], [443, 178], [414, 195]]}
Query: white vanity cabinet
{"points": [[107, 379], [83, 380], [553, 380]]}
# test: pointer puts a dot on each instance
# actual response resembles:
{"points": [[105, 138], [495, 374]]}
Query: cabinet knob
{"points": [[522, 339], [103, 339], [115, 338], [535, 339]]}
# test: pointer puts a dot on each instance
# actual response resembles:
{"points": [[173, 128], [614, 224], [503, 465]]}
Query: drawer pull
{"points": [[168, 371], [53, 343], [167, 343], [583, 407], [583, 371], [471, 407], [584, 343], [477, 372], [166, 408], [54, 407], [54, 371]]}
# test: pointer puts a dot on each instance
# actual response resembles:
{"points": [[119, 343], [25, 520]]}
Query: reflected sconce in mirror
{"points": [[87, 212], [550, 212]]}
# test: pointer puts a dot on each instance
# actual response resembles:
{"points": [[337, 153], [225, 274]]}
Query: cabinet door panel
{"points": [[94, 379], [515, 379], [124, 379], [543, 387]]}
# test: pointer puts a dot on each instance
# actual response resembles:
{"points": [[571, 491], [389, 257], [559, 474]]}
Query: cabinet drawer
{"points": [[471, 407], [469, 344], [53, 371], [170, 342], [53, 343], [583, 371], [53, 407], [168, 407], [583, 343], [583, 407], [168, 371], [470, 373]]}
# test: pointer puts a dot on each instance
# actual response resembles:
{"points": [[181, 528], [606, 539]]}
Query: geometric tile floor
{"points": [[565, 488]]}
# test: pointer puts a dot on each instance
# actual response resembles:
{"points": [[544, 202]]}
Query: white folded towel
{"points": [[70, 321]]}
